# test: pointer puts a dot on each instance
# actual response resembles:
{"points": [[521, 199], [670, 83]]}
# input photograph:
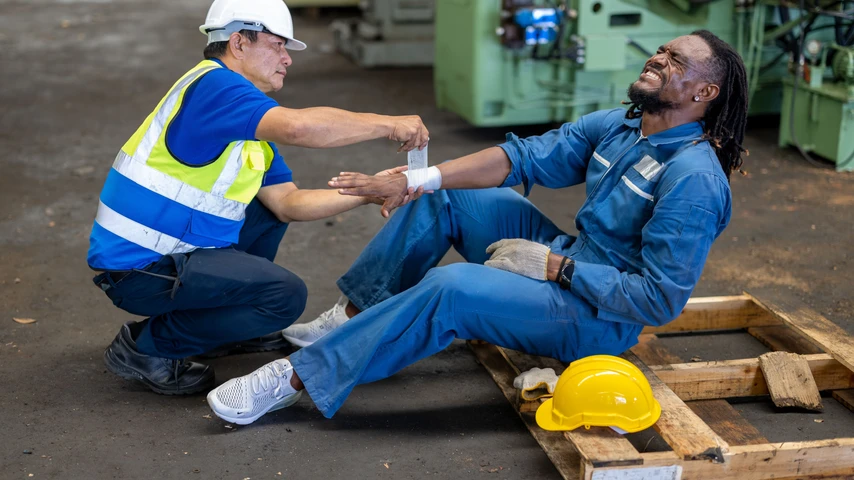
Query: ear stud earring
{"points": [[696, 98]]}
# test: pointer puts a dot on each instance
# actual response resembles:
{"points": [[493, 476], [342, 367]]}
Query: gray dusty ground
{"points": [[78, 77]]}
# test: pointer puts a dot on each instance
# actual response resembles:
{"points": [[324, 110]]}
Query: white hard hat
{"points": [[270, 16]]}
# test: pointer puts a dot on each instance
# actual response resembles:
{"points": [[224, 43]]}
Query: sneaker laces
{"points": [[269, 377]]}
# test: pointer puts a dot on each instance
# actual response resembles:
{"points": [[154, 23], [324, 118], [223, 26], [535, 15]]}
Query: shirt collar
{"points": [[680, 133], [220, 62]]}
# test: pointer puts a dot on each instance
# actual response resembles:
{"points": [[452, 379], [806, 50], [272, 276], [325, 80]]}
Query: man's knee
{"points": [[288, 296], [457, 277]]}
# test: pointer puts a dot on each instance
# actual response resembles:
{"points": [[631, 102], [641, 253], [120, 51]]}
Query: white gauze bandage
{"points": [[419, 174]]}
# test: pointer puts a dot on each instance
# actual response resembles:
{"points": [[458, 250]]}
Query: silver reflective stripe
{"points": [[230, 171], [648, 167], [138, 233], [158, 123], [176, 190], [636, 189], [601, 160]]}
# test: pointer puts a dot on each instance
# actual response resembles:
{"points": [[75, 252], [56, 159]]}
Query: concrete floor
{"points": [[79, 76]]}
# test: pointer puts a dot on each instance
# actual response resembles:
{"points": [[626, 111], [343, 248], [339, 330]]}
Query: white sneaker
{"points": [[243, 400], [304, 334]]}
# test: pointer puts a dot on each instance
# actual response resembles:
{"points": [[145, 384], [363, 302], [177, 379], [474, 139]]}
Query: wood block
{"points": [[679, 426], [743, 378], [812, 325], [601, 446], [790, 381], [718, 313]]}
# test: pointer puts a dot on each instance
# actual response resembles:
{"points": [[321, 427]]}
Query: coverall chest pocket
{"points": [[623, 213]]}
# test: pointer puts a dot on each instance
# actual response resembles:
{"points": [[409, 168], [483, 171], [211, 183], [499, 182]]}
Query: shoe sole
{"points": [[297, 342], [130, 374], [213, 402]]}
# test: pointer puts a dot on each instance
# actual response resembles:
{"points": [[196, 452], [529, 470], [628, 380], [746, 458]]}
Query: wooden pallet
{"points": [[708, 437]]}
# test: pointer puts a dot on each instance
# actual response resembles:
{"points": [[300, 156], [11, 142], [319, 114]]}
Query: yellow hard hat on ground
{"points": [[602, 391]]}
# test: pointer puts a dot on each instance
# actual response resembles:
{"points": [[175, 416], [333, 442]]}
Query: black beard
{"points": [[649, 102]]}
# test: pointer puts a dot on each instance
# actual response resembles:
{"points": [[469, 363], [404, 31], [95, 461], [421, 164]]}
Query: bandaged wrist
{"points": [[429, 178]]}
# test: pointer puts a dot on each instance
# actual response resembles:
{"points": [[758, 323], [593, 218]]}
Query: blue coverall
{"points": [[654, 206]]}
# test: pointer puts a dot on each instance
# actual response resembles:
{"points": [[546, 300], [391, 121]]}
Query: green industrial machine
{"points": [[515, 62]]}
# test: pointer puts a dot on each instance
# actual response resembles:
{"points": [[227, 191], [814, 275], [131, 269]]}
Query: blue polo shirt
{"points": [[220, 108]]}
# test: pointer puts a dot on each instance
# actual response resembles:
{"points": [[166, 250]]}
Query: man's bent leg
{"points": [[223, 296], [456, 301], [415, 240], [420, 234]]}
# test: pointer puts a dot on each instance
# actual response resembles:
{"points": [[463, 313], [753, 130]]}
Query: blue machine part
{"points": [[540, 24], [538, 17]]}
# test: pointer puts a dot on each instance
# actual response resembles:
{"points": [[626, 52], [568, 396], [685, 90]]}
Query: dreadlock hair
{"points": [[726, 116]]}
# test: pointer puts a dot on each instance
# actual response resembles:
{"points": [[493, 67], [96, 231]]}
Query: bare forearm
{"points": [[484, 169], [322, 127], [307, 205]]}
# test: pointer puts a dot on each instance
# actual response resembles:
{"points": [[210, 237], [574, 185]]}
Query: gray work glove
{"points": [[520, 256], [536, 383]]}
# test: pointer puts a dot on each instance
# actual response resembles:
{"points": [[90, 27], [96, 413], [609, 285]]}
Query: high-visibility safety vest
{"points": [[152, 204]]}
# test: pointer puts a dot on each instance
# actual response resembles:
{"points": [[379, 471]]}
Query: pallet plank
{"points": [[743, 378], [846, 398], [833, 339], [718, 313], [562, 453], [814, 459], [652, 351], [681, 428], [782, 338], [790, 381], [718, 414], [727, 422]]}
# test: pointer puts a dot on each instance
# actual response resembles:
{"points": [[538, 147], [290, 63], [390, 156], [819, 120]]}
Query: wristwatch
{"points": [[564, 274]]}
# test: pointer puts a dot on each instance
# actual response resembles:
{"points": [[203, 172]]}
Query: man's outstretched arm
{"points": [[326, 127]]}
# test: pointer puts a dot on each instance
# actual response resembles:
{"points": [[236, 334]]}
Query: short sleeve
{"points": [[279, 172]]}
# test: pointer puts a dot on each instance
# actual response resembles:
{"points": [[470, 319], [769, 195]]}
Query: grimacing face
{"points": [[672, 76], [266, 62]]}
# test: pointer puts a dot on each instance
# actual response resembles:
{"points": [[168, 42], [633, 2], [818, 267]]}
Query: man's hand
{"points": [[409, 130], [387, 188], [520, 256]]}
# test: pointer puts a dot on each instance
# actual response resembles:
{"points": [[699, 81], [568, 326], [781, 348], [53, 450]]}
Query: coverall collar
{"points": [[680, 133]]}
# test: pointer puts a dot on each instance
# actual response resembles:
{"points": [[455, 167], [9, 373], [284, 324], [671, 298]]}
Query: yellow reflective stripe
{"points": [[138, 233], [177, 190], [152, 135]]}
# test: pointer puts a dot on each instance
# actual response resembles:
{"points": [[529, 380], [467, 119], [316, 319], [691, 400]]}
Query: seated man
{"points": [[658, 195]]}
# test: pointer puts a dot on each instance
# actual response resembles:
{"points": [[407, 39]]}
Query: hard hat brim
{"points": [[293, 43], [544, 416]]}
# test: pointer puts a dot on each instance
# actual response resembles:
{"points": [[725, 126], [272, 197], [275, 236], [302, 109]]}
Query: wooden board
{"points": [[845, 397], [743, 378], [782, 338], [810, 323], [718, 414], [679, 426], [790, 381], [814, 459], [563, 454], [727, 422], [653, 352], [718, 313]]}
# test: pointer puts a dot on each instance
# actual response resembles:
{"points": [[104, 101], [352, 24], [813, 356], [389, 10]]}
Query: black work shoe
{"points": [[163, 375], [267, 343]]}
